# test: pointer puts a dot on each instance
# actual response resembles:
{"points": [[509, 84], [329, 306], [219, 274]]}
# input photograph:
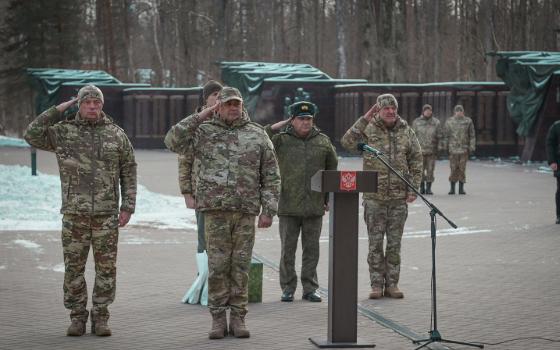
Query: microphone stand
{"points": [[435, 335]]}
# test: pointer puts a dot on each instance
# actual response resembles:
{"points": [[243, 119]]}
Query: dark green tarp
{"points": [[527, 74], [47, 82]]}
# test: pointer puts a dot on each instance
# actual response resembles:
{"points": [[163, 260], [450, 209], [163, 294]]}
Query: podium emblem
{"points": [[348, 180]]}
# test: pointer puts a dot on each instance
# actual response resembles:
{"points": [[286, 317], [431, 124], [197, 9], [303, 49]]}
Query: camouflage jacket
{"points": [[93, 159], [186, 164], [459, 135], [237, 169], [299, 159], [401, 149], [429, 134]]}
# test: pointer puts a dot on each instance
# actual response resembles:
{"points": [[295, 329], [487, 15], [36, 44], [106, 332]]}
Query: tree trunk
{"points": [[340, 10]]}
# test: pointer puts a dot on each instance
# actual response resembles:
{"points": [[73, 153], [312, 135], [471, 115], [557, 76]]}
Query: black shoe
{"points": [[287, 296], [422, 188], [429, 188], [313, 296], [462, 188], [452, 190]]}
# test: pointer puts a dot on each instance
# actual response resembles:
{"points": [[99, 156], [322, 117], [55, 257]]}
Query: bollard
{"points": [[33, 162]]}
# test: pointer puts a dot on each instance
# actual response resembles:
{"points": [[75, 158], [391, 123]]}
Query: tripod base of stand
{"points": [[324, 343], [436, 337]]}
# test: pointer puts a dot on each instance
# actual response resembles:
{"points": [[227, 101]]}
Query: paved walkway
{"points": [[497, 279]]}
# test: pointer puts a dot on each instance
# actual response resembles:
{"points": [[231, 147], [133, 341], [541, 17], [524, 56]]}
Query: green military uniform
{"points": [[429, 134], [553, 156], [459, 140], [385, 211], [94, 158], [300, 208], [237, 176]]}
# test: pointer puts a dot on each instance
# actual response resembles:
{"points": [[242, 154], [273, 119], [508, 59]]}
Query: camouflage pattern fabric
{"points": [[401, 148], [290, 227], [385, 219], [458, 165], [238, 170], [79, 232], [185, 166], [92, 157], [459, 135], [90, 91], [429, 164], [230, 236], [429, 133], [313, 153]]}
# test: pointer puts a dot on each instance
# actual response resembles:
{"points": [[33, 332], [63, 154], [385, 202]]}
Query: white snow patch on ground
{"points": [[32, 203], [2, 267], [6, 141], [28, 244], [55, 268]]}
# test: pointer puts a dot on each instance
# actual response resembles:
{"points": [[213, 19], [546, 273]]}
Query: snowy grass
{"points": [[29, 203], [6, 141]]}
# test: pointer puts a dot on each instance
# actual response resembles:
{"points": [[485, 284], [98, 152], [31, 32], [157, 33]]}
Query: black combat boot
{"points": [[452, 190], [462, 188], [422, 188], [429, 188]]}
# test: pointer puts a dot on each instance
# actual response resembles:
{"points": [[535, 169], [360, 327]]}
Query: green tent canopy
{"points": [[47, 82], [527, 74]]}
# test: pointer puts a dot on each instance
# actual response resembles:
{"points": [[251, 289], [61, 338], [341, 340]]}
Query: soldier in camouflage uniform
{"points": [[300, 209], [459, 141], [237, 176], [95, 157], [385, 211], [428, 131], [188, 164]]}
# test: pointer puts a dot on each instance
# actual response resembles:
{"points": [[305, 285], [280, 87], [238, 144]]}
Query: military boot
{"points": [[452, 190], [462, 188], [393, 292], [237, 326], [219, 326], [376, 293], [422, 188], [99, 324], [78, 325], [429, 188]]}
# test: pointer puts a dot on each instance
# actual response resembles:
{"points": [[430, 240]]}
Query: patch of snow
{"points": [[6, 141], [30, 203], [28, 244], [55, 268]]}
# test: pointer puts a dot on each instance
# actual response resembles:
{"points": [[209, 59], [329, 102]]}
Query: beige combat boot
{"points": [[99, 325], [376, 293], [237, 326], [393, 292], [78, 326], [219, 326]]}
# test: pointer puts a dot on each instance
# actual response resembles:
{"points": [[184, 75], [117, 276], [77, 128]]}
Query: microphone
{"points": [[363, 147]]}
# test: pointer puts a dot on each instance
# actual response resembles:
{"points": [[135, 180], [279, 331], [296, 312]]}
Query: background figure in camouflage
{"points": [[459, 141], [553, 158], [428, 131], [94, 157], [237, 176], [385, 211], [188, 164], [300, 209]]}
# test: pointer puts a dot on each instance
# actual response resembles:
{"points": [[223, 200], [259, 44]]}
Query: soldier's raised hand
{"points": [[372, 111], [281, 124], [208, 112], [65, 105]]}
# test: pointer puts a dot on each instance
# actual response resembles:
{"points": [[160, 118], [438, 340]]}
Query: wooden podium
{"points": [[344, 188]]}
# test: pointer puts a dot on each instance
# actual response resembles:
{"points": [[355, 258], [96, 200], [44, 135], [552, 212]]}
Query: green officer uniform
{"points": [[94, 158], [429, 133], [300, 209], [385, 211]]}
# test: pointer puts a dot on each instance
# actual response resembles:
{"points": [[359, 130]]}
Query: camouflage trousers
{"points": [[230, 237], [290, 227], [385, 219], [79, 232], [200, 230], [429, 164], [458, 164]]}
